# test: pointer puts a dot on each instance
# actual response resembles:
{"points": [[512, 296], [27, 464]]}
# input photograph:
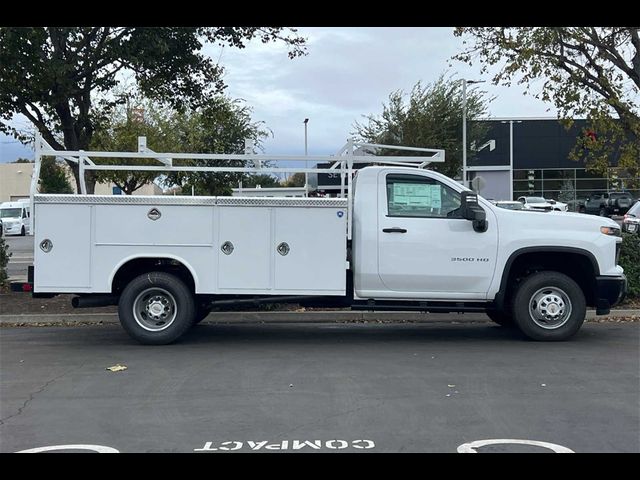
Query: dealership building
{"points": [[530, 157]]}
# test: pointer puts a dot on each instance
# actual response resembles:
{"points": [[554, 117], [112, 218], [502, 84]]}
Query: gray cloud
{"points": [[348, 73]]}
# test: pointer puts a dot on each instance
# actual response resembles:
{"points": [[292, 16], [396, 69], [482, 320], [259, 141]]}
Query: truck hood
{"points": [[561, 220]]}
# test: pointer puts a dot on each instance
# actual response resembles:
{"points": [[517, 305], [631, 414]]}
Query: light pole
{"points": [[464, 127], [511, 122], [306, 175]]}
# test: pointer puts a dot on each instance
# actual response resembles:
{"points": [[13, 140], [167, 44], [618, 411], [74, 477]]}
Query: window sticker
{"points": [[417, 195]]}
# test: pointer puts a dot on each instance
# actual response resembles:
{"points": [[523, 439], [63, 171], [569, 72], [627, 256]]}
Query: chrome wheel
{"points": [[550, 308], [154, 309]]}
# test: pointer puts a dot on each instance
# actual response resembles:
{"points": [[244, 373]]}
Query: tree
{"points": [[120, 132], [295, 180], [265, 181], [431, 118], [53, 75], [585, 71], [53, 178], [221, 126], [22, 160]]}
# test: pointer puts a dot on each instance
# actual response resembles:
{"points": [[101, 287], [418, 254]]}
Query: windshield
{"points": [[635, 210], [536, 200], [10, 212], [619, 195]]}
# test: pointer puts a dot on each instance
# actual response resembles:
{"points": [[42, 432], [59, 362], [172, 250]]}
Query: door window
{"points": [[417, 196]]}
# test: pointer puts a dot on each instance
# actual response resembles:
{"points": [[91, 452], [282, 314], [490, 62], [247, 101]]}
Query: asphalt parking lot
{"points": [[321, 387]]}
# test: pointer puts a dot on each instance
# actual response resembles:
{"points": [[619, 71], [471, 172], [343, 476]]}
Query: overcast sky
{"points": [[349, 72]]}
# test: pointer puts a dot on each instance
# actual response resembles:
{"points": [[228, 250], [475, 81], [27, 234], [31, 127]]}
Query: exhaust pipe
{"points": [[94, 301]]}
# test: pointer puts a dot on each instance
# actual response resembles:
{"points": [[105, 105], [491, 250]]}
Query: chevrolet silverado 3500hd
{"points": [[402, 238]]}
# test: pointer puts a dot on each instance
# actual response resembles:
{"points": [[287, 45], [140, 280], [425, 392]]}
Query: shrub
{"points": [[4, 260], [630, 261]]}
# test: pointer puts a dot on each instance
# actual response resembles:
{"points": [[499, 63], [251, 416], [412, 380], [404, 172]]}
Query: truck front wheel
{"points": [[156, 308], [549, 306]]}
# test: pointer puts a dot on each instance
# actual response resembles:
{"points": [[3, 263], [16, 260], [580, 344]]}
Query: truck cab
{"points": [[422, 247]]}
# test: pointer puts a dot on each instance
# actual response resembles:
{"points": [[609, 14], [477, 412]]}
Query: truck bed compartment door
{"points": [[244, 252]]}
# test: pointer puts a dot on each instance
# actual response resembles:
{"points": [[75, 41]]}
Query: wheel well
{"points": [[577, 266], [138, 266]]}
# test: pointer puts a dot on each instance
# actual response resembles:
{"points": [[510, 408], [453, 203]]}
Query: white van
{"points": [[16, 217]]}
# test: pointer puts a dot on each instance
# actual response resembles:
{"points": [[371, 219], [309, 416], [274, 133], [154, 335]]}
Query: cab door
{"points": [[425, 248]]}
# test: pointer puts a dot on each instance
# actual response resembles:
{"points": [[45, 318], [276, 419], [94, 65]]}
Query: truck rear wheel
{"points": [[156, 308], [549, 306]]}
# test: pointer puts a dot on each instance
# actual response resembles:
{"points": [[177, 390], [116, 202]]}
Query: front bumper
{"points": [[610, 291], [14, 229]]}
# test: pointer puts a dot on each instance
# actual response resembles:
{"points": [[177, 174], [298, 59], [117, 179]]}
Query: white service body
{"points": [[109, 231]]}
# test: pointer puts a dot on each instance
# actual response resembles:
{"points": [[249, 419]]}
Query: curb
{"points": [[284, 317]]}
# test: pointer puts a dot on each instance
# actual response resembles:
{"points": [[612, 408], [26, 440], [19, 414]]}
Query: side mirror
{"points": [[471, 210]]}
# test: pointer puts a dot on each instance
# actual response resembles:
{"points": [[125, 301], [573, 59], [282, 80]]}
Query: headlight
{"points": [[611, 231]]}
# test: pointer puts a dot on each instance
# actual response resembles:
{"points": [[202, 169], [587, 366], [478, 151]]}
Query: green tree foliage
{"points": [[265, 181], [60, 77], [430, 118], [585, 71], [295, 180], [119, 133], [630, 261], [53, 177], [4, 261], [220, 125], [22, 160]]}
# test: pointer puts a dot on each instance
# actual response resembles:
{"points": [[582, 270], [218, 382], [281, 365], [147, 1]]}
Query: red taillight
{"points": [[26, 287]]}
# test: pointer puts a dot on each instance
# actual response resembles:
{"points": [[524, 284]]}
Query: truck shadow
{"points": [[348, 333]]}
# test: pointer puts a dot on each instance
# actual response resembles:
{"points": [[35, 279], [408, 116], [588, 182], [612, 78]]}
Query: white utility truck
{"points": [[399, 237]]}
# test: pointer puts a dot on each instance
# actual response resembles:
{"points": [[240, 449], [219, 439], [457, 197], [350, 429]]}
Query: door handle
{"points": [[394, 230]]}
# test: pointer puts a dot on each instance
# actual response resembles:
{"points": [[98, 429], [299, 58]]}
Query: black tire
{"points": [[500, 317], [149, 293], [582, 209], [552, 293], [603, 212]]}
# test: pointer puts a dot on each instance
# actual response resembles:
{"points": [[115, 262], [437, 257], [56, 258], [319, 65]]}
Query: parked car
{"points": [[631, 220], [607, 204], [509, 205], [559, 206], [541, 203], [576, 205]]}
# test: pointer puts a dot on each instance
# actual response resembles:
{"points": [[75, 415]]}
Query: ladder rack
{"points": [[343, 162]]}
